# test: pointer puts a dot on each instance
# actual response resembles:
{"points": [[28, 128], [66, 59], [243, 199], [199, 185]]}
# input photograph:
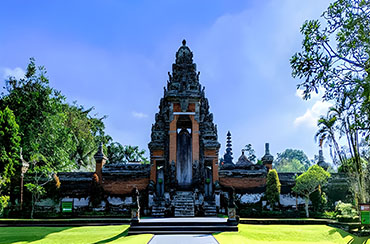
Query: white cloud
{"points": [[139, 115], [16, 72], [311, 116]]}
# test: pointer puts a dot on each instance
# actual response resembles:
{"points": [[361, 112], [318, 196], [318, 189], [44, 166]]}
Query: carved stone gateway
{"points": [[184, 136]]}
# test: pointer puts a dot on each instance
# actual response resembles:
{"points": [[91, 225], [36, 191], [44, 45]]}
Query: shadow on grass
{"points": [[26, 234], [354, 240], [113, 238]]}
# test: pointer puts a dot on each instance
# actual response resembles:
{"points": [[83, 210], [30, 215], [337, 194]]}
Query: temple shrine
{"points": [[185, 177]]}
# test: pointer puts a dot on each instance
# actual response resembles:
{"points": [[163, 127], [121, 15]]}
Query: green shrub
{"points": [[345, 212], [272, 188], [3, 203]]}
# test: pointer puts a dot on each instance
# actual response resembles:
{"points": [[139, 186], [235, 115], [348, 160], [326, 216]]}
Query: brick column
{"points": [[195, 138], [215, 170], [153, 171], [173, 139], [100, 160]]}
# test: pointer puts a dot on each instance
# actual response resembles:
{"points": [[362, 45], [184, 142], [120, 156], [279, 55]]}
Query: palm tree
{"points": [[326, 132]]}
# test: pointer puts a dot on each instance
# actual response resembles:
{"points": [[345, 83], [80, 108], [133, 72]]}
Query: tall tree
{"points": [[9, 146], [336, 58], [38, 109], [64, 134], [309, 182], [273, 188], [9, 153]]}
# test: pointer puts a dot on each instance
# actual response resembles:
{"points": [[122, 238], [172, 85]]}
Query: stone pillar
{"points": [[215, 176], [267, 159], [100, 160], [195, 139], [173, 139]]}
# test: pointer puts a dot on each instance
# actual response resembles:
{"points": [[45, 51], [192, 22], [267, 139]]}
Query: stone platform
{"points": [[181, 226]]}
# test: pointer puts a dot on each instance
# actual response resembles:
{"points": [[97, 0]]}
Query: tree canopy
{"points": [[335, 58], [309, 182], [291, 160]]}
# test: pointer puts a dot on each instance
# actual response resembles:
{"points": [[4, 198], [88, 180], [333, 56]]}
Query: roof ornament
{"points": [[99, 155], [228, 158]]}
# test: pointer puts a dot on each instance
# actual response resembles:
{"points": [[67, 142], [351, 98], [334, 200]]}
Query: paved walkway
{"points": [[191, 220], [183, 239]]}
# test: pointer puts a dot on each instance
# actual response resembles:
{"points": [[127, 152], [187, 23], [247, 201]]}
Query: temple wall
{"points": [[124, 186], [245, 183]]}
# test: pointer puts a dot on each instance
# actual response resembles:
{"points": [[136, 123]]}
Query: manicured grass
{"points": [[70, 235], [288, 234]]}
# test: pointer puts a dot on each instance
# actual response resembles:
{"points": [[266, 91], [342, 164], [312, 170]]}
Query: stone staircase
{"points": [[172, 226], [159, 210], [183, 203], [210, 209]]}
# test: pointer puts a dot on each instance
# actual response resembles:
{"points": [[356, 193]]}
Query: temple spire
{"points": [[321, 161], [228, 158]]}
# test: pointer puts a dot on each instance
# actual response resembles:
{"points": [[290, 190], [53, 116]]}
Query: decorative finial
{"points": [[267, 158], [267, 148], [184, 42], [99, 155], [228, 158]]}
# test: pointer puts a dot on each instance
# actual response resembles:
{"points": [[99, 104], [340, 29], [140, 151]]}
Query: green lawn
{"points": [[70, 235], [288, 234]]}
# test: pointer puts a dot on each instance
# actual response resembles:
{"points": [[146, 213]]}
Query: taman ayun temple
{"points": [[185, 176]]}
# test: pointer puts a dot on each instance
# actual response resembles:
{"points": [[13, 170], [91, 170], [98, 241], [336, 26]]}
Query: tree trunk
{"points": [[306, 206], [32, 207]]}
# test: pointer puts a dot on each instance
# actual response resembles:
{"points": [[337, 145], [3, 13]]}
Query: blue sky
{"points": [[115, 55]]}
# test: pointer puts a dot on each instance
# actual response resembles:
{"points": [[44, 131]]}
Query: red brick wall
{"points": [[125, 186], [243, 183]]}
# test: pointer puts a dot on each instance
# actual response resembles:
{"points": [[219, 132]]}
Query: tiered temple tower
{"points": [[184, 147]]}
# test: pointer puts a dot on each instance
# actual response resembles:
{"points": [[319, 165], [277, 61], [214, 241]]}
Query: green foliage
{"points": [[309, 181], [345, 212], [342, 66], [9, 153], [291, 160], [251, 153], [39, 112], [40, 173], [273, 188], [3, 203], [336, 58], [318, 200], [118, 153], [293, 165], [64, 134], [9, 146]]}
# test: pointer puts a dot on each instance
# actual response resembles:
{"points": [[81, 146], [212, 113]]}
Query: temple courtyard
{"points": [[119, 234]]}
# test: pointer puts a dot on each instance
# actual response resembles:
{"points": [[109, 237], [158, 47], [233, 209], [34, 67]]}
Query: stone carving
{"points": [[243, 161], [173, 181], [267, 158]]}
